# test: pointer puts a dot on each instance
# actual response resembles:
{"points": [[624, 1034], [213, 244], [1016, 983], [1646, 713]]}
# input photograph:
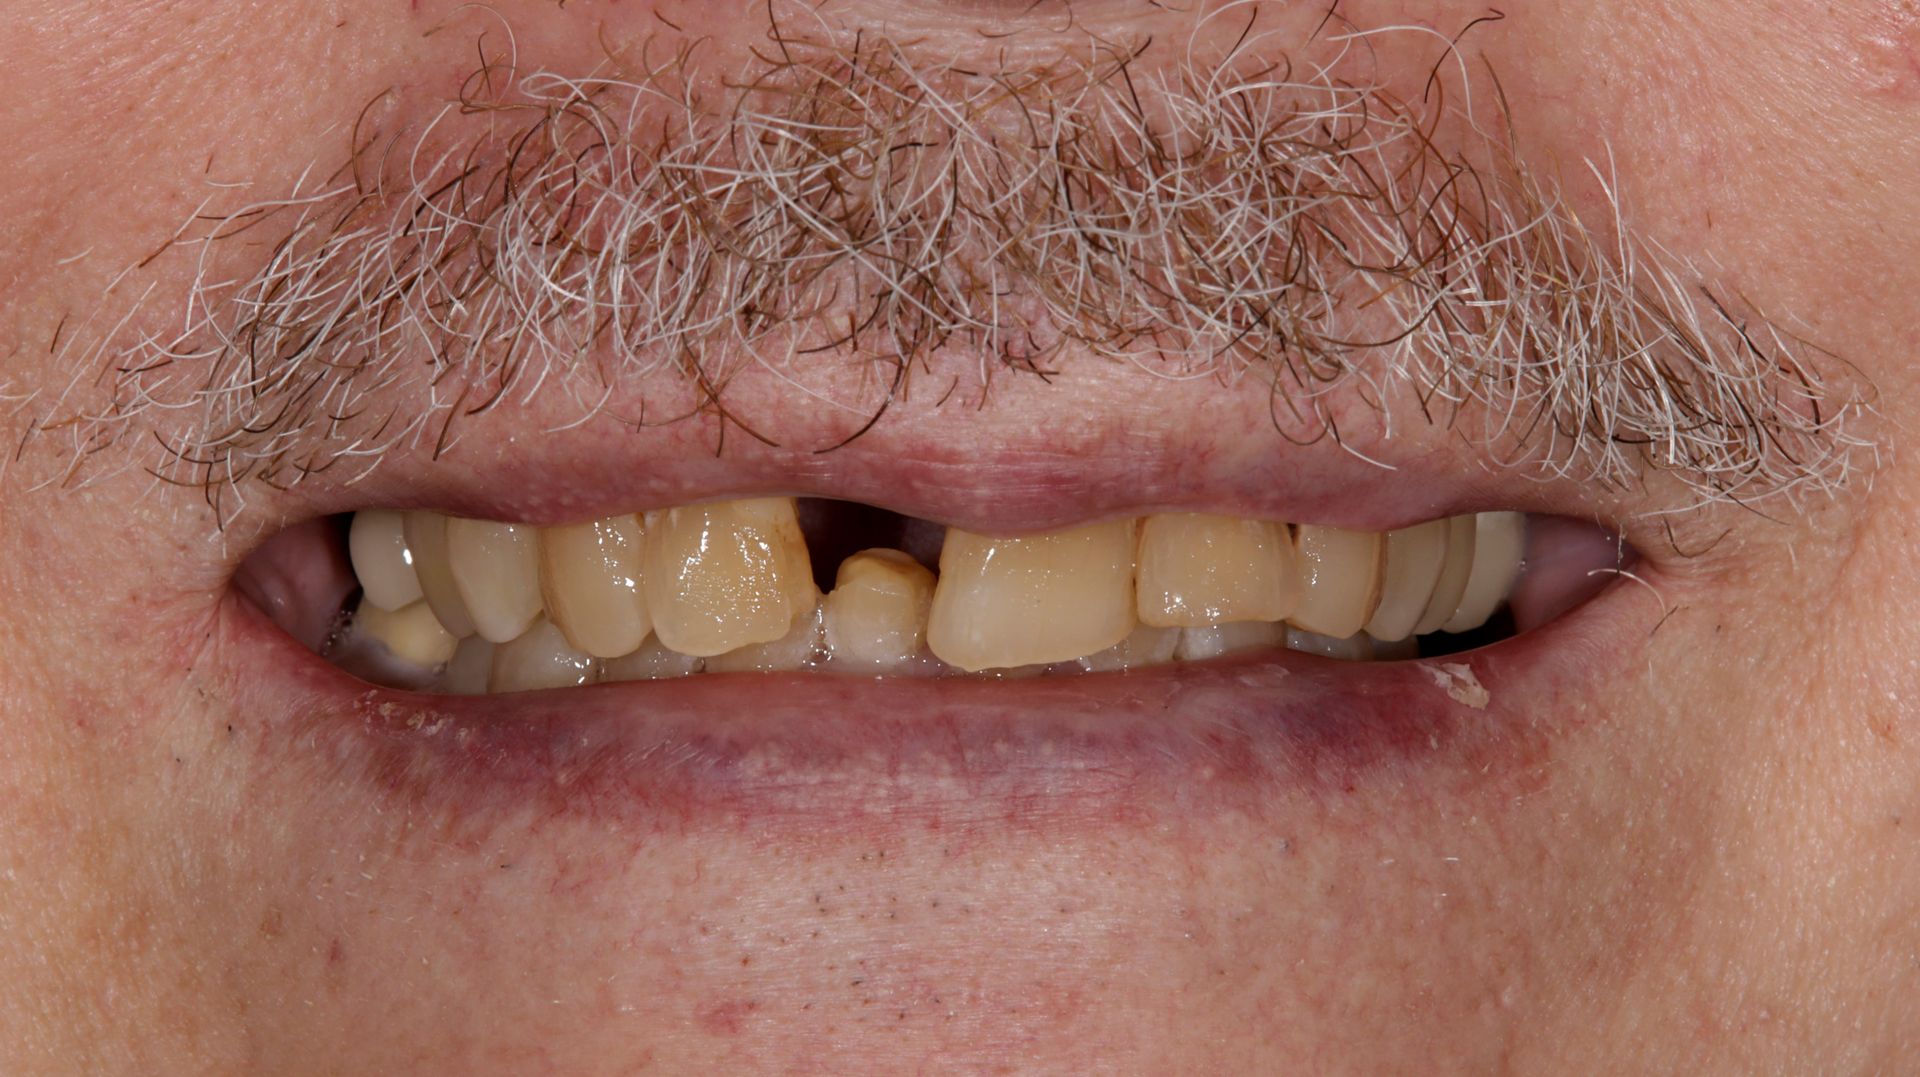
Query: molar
{"points": [[590, 579], [1003, 603], [1197, 570], [722, 576]]}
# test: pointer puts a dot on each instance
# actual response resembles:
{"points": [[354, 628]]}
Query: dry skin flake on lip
{"points": [[727, 587]]}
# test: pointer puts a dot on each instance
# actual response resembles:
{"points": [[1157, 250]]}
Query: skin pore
{"points": [[1685, 838]]}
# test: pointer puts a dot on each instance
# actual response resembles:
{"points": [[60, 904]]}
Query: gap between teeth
{"points": [[471, 606]]}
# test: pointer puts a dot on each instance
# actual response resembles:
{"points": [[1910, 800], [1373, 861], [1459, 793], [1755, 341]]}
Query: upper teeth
{"points": [[725, 575], [730, 582], [1002, 603]]}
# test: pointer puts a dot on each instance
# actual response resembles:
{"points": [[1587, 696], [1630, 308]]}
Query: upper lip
{"points": [[1057, 455]]}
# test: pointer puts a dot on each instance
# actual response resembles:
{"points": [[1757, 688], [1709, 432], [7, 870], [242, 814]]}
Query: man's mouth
{"points": [[428, 602], [801, 658]]}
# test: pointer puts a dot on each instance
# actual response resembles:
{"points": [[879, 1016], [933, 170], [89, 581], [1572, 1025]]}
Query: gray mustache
{"points": [[866, 201]]}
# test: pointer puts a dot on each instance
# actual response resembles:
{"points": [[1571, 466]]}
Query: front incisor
{"points": [[726, 575], [590, 577], [1339, 579], [1002, 603], [876, 614], [1197, 570]]}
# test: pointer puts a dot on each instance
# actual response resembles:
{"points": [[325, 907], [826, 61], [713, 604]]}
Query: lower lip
{"points": [[815, 752]]}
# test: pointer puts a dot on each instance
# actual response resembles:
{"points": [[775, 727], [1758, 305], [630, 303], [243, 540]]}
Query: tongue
{"points": [[1567, 562]]}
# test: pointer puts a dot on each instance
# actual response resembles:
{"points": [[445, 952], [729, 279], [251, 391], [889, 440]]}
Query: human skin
{"points": [[1694, 843]]}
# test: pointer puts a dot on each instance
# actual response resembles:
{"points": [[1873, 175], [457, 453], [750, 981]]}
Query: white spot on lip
{"points": [[1460, 684]]}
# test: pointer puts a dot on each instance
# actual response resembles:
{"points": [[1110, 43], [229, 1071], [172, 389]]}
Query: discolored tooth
{"points": [[497, 568], [469, 669], [539, 658], [377, 545], [590, 581], [1356, 648], [1002, 603], [426, 534], [410, 634], [722, 576], [1197, 570], [652, 662], [1215, 641], [1415, 557], [1400, 650], [876, 614], [1453, 576], [1499, 541], [1339, 579], [798, 649], [1144, 646]]}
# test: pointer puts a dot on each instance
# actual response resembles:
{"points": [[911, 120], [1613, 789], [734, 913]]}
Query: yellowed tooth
{"points": [[652, 662], [1197, 570], [539, 658], [1452, 583], [1499, 542], [1144, 646], [469, 669], [798, 649], [876, 614], [497, 568], [1357, 648], [726, 575], [1215, 641], [410, 633], [1047, 598], [1415, 557], [377, 545], [1339, 579], [590, 580], [426, 534]]}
